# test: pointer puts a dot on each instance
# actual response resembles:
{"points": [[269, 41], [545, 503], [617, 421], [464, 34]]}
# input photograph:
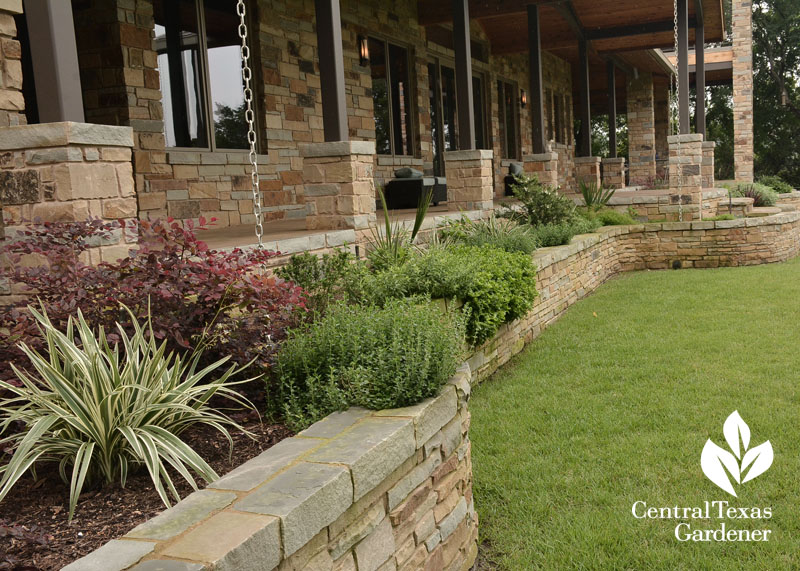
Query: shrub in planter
{"points": [[495, 286], [375, 357], [224, 299], [325, 279], [776, 183], [541, 204], [102, 412], [498, 232], [761, 195], [560, 234], [608, 217]]}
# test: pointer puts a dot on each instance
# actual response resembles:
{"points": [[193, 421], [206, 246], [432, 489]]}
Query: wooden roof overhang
{"points": [[718, 62], [629, 33]]}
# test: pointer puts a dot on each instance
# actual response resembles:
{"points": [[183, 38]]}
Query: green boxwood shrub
{"points": [[541, 203], [495, 286], [375, 357]]}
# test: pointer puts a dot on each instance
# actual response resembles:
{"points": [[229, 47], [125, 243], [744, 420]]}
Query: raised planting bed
{"points": [[35, 536], [393, 489]]}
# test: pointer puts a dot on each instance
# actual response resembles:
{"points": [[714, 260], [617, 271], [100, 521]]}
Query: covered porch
{"points": [[344, 95]]}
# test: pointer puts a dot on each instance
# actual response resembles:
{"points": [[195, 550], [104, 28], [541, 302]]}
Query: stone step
{"points": [[764, 211]]}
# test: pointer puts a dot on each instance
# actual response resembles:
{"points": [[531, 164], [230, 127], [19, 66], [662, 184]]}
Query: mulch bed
{"points": [[45, 541]]}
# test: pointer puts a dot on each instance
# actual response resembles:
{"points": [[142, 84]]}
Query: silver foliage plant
{"points": [[105, 411]]}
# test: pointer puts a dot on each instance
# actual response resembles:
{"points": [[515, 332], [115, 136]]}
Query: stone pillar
{"points": [[707, 169], [587, 170], [69, 172], [614, 172], [339, 187], [742, 27], [641, 130], [470, 185], [685, 161], [544, 166], [12, 104], [661, 116]]}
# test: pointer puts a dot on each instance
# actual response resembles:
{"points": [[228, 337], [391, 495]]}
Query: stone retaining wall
{"points": [[393, 489]]}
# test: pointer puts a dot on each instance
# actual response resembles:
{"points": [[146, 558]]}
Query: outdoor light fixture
{"points": [[363, 50], [523, 99]]}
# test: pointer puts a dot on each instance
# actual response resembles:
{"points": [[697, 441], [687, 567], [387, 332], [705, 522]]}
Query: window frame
{"points": [[205, 80], [414, 104]]}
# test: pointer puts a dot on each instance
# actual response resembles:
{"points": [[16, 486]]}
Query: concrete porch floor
{"points": [[291, 236]]}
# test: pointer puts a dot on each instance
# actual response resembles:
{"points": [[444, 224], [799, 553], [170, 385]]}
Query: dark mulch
{"points": [[45, 541]]}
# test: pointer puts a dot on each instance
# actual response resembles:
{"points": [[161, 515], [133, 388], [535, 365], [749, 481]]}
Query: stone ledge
{"points": [[11, 6], [613, 161], [337, 149], [64, 133], [689, 138], [540, 157], [469, 155], [709, 144], [586, 160]]}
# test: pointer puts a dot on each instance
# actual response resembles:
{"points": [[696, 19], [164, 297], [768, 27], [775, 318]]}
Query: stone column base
{"points": [[685, 180], [707, 168], [614, 172], [338, 185], [470, 185], [66, 172], [544, 166], [587, 170]]}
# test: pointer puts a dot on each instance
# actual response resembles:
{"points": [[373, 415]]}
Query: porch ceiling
{"points": [[611, 25]]}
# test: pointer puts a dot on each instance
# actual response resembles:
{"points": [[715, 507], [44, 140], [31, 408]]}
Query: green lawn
{"points": [[613, 405]]}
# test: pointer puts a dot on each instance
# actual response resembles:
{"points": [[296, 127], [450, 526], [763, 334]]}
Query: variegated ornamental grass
{"points": [[102, 411]]}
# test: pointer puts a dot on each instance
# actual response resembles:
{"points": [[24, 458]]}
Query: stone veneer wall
{"points": [[12, 103], [742, 36], [392, 489], [69, 172]]}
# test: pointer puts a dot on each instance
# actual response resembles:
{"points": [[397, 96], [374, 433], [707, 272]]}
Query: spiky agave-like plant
{"points": [[106, 410]]}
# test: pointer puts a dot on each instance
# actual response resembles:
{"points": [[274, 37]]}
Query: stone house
{"points": [[136, 108]]}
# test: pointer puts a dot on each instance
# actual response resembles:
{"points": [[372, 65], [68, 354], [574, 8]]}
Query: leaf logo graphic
{"points": [[718, 463]]}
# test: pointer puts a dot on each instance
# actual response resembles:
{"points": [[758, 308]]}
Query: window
{"points": [[558, 110], [200, 68], [508, 119], [392, 98], [548, 111], [478, 111]]}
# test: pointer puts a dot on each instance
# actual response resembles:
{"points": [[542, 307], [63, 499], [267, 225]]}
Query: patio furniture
{"points": [[409, 185]]}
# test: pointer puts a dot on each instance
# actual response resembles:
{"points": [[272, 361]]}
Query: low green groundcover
{"points": [[613, 405]]}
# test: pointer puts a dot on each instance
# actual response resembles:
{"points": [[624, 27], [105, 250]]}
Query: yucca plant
{"points": [[595, 197], [392, 246], [105, 411]]}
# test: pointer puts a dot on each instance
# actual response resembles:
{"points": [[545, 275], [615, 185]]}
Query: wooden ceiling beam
{"points": [[431, 13], [634, 30]]}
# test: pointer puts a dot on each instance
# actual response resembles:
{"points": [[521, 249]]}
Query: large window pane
{"points": [[401, 100], [449, 108], [380, 96], [477, 108], [507, 99], [225, 74], [177, 43]]}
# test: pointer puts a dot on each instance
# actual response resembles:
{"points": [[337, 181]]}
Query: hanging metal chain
{"points": [[678, 170], [249, 115]]}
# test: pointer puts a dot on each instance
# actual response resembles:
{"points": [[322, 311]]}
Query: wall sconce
{"points": [[523, 99], [363, 50]]}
